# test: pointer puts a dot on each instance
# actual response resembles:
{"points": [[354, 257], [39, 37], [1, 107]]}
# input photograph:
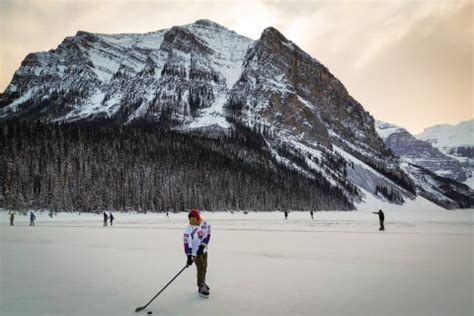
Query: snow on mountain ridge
{"points": [[455, 141], [449, 136], [202, 75]]}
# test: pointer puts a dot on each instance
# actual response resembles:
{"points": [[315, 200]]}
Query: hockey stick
{"points": [[143, 307]]}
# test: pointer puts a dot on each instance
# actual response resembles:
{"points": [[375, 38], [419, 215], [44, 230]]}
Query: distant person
{"points": [[196, 239], [286, 214], [111, 217], [167, 214], [381, 219], [312, 214], [12, 218], [32, 218], [106, 219]]}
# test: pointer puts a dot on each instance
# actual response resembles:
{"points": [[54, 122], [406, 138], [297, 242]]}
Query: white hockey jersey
{"points": [[194, 236]]}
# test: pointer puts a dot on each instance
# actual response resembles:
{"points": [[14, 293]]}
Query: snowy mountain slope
{"points": [[171, 73], [204, 78], [443, 191], [287, 93], [432, 171], [419, 152], [455, 141], [449, 136]]}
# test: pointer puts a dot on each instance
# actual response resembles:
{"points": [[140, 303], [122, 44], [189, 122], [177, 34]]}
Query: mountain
{"points": [[420, 152], [455, 141], [206, 85], [435, 174]]}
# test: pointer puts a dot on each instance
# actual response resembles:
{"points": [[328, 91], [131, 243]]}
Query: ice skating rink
{"points": [[259, 264]]}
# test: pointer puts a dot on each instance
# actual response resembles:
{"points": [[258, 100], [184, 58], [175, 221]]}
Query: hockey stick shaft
{"points": [[143, 307]]}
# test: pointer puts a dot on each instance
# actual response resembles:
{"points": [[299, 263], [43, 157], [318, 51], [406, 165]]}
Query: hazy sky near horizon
{"points": [[407, 62]]}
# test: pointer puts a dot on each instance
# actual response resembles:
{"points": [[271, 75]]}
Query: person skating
{"points": [[12, 218], [32, 218], [106, 219], [111, 217], [312, 214], [286, 214], [196, 239], [381, 219]]}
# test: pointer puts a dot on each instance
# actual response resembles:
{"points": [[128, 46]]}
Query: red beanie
{"points": [[194, 213]]}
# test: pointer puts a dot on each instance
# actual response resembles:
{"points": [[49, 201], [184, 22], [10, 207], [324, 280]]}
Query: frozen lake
{"points": [[259, 264]]}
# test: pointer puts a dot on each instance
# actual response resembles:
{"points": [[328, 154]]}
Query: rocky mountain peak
{"points": [[181, 39], [209, 23], [201, 76]]}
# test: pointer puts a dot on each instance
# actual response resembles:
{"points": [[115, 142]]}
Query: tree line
{"points": [[102, 165]]}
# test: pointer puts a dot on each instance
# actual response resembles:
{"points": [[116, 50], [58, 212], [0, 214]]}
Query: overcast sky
{"points": [[407, 62]]}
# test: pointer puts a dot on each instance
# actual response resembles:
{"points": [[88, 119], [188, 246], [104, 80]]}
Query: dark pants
{"points": [[381, 226], [201, 266]]}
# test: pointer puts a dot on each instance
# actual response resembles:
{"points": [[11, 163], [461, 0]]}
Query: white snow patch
{"points": [[112, 105], [92, 106], [306, 103], [104, 67], [290, 45], [13, 107], [151, 40], [213, 115], [469, 182]]}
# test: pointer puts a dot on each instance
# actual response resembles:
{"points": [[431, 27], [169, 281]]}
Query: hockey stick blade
{"points": [[139, 309]]}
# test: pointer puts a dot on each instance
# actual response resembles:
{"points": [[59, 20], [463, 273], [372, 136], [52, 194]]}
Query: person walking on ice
{"points": [[381, 219], [32, 218], [196, 239], [12, 218], [111, 216], [106, 219]]}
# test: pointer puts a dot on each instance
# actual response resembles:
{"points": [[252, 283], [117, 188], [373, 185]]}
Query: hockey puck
{"points": [[150, 312]]}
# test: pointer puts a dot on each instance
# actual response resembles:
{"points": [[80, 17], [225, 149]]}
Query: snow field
{"points": [[259, 264]]}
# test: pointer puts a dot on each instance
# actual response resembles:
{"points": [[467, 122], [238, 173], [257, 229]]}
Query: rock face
{"points": [[205, 78]]}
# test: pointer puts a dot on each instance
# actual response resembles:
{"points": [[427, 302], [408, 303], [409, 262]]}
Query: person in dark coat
{"points": [[286, 214], [311, 213], [106, 218], [381, 219], [111, 217], [32, 219], [12, 218]]}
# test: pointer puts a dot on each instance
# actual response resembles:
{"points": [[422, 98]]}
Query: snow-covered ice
{"points": [[259, 264]]}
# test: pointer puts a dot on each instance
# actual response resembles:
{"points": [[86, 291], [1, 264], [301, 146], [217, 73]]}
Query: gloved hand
{"points": [[201, 249], [190, 261]]}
